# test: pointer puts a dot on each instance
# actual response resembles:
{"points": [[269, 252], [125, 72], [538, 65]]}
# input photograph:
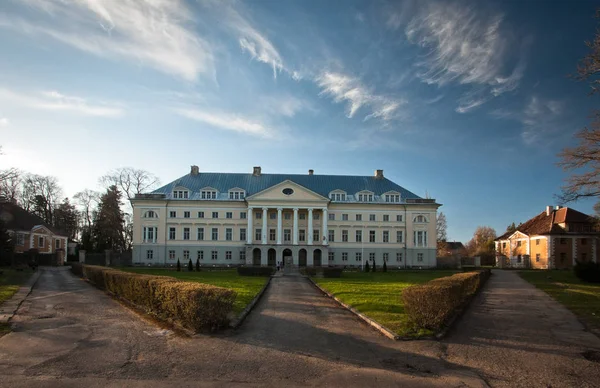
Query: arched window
{"points": [[150, 214], [420, 219]]}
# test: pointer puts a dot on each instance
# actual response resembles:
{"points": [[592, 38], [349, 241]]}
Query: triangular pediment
{"points": [[287, 191]]}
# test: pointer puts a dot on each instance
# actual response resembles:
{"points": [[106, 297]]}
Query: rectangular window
{"points": [[359, 236], [331, 256], [386, 217], [316, 237], [229, 215], [301, 235], [215, 234], [186, 214], [171, 255], [173, 214], [200, 255], [215, 214], [227, 255], [186, 255], [537, 257], [149, 234], [503, 245], [344, 217], [518, 243], [584, 241], [386, 236], [200, 214], [358, 256], [272, 234], [172, 234], [287, 235], [273, 215], [386, 257], [243, 215], [316, 216], [371, 236], [243, 234], [258, 215], [200, 234], [399, 257], [214, 255], [419, 257], [258, 234], [302, 216], [344, 236], [331, 216], [56, 244], [372, 217], [242, 255], [287, 216], [420, 238], [399, 236], [344, 256], [149, 254], [399, 218], [228, 234], [186, 233], [20, 239], [537, 242], [371, 256], [359, 217], [331, 235]]}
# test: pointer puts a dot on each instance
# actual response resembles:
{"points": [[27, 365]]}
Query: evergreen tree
{"points": [[178, 266], [511, 228], [190, 266], [109, 225], [367, 269], [374, 266], [197, 265], [384, 266], [6, 245], [66, 218]]}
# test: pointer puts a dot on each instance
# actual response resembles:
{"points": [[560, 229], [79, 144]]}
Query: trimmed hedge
{"points": [[255, 271], [196, 306], [332, 272], [587, 271], [430, 305], [77, 268]]}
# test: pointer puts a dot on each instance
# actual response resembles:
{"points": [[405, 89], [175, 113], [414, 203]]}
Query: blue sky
{"points": [[468, 101]]}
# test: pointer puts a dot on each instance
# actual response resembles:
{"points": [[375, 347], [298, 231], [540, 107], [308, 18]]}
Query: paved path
{"points": [[70, 334], [516, 335]]}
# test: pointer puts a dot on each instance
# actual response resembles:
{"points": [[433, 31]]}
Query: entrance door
{"points": [[288, 261], [271, 257], [256, 257]]}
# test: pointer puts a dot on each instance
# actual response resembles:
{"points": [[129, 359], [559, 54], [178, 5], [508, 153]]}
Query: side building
{"points": [[303, 220]]}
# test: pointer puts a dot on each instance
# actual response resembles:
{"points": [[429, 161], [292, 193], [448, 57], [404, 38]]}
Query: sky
{"points": [[467, 102]]}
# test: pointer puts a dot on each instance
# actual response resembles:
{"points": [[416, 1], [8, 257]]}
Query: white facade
{"points": [[286, 221]]}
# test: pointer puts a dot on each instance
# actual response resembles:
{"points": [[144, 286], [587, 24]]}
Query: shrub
{"points": [[178, 266], [255, 271], [77, 269], [374, 267], [430, 305], [190, 266], [384, 266], [332, 272], [587, 271], [197, 265], [367, 267], [196, 306]]}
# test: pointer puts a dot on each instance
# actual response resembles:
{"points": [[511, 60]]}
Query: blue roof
{"points": [[320, 184]]}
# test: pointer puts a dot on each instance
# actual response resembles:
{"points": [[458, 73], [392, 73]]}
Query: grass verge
{"points": [[247, 287], [378, 296], [583, 299], [10, 281]]}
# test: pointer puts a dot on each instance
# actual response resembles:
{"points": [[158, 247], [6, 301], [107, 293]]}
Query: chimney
{"points": [[311, 172], [256, 171], [195, 170], [378, 174], [548, 210], [558, 207]]}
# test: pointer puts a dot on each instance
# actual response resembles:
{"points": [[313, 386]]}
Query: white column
{"points": [[279, 225], [249, 230], [264, 226], [324, 232], [310, 226], [295, 231]]}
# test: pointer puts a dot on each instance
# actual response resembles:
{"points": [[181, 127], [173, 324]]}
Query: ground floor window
{"points": [[200, 255], [149, 254], [20, 239], [57, 244], [358, 256], [386, 257], [186, 255], [331, 256], [344, 256], [228, 255], [172, 255], [399, 257], [372, 256], [242, 255], [215, 255], [537, 257], [41, 242], [419, 257]]}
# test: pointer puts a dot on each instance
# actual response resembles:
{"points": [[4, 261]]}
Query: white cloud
{"points": [[154, 33], [4, 122], [284, 105], [227, 121], [344, 88], [55, 101]]}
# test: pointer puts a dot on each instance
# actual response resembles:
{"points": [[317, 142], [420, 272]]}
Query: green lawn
{"points": [[583, 299], [10, 281], [377, 295], [246, 286]]}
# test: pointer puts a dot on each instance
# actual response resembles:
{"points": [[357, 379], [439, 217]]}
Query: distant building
{"points": [[31, 232], [302, 220], [554, 239], [456, 248]]}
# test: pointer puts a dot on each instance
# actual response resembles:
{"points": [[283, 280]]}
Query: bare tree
{"points": [[10, 185], [130, 181], [441, 227], [585, 157], [41, 195], [482, 241], [7, 177], [87, 200]]}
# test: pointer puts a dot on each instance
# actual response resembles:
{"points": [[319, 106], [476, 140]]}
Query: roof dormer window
{"points": [[392, 197], [365, 196], [337, 195], [180, 194], [237, 194], [208, 193]]}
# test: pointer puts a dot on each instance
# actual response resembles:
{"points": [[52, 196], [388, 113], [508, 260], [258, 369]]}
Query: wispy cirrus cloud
{"points": [[345, 88], [227, 121], [462, 45], [55, 101], [156, 33]]}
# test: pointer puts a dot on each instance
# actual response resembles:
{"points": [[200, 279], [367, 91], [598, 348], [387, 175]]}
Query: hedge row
{"points": [[326, 272], [195, 306], [430, 305], [588, 271], [255, 271]]}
